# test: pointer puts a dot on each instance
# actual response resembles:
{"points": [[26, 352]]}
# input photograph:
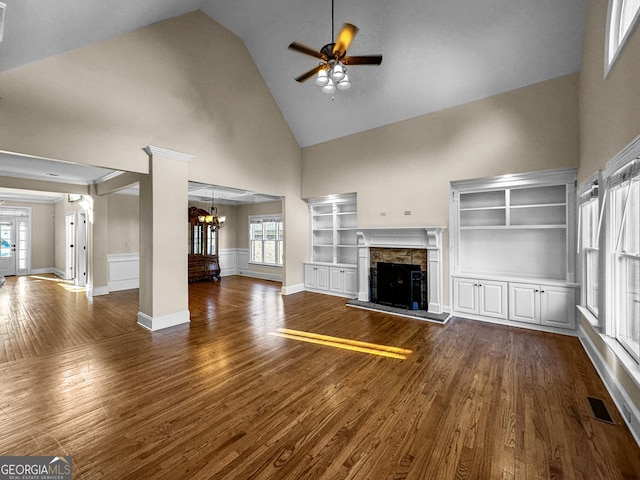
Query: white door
{"points": [[557, 307], [322, 278], [336, 279], [350, 282], [81, 271], [524, 302], [70, 239], [7, 246], [493, 299], [465, 295]]}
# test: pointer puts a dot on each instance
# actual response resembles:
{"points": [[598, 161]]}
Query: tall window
{"points": [[266, 240], [624, 238], [589, 252], [623, 17]]}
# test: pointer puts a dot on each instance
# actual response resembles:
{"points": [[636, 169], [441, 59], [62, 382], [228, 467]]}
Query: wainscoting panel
{"points": [[228, 261], [123, 271]]}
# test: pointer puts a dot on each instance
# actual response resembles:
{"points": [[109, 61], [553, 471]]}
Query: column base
{"points": [[165, 321]]}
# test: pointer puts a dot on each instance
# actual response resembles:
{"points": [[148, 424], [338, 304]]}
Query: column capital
{"points": [[159, 151]]}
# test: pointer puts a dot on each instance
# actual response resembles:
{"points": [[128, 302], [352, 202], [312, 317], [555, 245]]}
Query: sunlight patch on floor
{"points": [[344, 343]]}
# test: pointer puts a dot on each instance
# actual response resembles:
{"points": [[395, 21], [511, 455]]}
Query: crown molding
{"points": [[153, 151]]}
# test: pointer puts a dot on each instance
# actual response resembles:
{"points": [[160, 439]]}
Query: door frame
{"points": [[81, 249], [70, 241]]}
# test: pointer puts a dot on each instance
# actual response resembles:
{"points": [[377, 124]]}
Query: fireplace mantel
{"points": [[428, 238]]}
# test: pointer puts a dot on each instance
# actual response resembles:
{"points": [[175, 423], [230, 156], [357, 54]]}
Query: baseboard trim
{"points": [[97, 291], [124, 285], [276, 277], [291, 289], [613, 386], [42, 271], [164, 321]]}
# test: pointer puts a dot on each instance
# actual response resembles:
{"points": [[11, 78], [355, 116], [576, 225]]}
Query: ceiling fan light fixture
{"points": [[338, 72], [344, 84], [330, 87], [323, 78]]}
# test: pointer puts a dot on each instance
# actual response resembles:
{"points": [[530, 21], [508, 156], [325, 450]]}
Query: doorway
{"points": [[7, 246]]}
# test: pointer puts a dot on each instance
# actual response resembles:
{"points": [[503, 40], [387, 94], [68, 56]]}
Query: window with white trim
{"points": [[623, 17], [266, 240], [624, 241], [589, 220]]}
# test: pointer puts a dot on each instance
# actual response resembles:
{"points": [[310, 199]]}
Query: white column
{"points": [[164, 291]]}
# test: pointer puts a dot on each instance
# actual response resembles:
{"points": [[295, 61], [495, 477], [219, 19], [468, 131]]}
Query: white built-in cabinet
{"points": [[513, 248], [480, 297], [333, 250]]}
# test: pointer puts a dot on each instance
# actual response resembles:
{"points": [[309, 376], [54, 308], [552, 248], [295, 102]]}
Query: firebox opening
{"points": [[398, 285]]}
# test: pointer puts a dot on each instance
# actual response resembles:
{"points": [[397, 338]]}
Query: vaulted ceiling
{"points": [[437, 54]]}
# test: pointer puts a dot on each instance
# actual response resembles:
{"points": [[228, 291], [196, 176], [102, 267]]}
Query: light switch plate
{"points": [[3, 9]]}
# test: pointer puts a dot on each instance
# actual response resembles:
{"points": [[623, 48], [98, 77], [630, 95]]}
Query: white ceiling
{"points": [[436, 54]]}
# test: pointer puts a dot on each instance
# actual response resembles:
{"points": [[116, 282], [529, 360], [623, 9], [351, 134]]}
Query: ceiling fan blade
{"points": [[306, 76], [345, 37], [298, 47], [363, 60]]}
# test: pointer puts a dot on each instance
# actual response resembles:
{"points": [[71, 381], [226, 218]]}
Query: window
{"points": [[589, 220], [623, 16], [624, 238], [265, 240]]}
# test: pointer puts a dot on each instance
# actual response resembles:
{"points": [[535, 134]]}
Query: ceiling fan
{"points": [[333, 59]]}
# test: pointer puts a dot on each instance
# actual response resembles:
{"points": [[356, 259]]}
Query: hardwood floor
{"points": [[224, 398]]}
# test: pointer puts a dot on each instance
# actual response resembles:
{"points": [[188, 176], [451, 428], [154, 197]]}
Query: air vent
{"points": [[3, 8], [599, 410]]}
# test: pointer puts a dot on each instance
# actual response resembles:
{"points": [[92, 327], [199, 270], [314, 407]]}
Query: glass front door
{"points": [[7, 247]]}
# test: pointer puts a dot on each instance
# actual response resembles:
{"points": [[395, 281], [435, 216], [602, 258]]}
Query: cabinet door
{"points": [[350, 281], [336, 280], [524, 302], [557, 306], [310, 276], [465, 298], [493, 299], [322, 277]]}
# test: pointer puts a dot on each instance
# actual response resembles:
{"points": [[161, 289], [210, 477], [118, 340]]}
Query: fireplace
{"points": [[420, 246], [399, 285]]}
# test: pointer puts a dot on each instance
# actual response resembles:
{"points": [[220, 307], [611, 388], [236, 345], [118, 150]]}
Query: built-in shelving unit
{"points": [[512, 232], [333, 255]]}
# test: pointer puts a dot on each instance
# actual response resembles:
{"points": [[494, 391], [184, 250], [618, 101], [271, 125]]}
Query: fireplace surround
{"points": [[404, 245]]}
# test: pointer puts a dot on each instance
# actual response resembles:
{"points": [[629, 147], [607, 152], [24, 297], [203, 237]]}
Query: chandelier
{"points": [[333, 73], [213, 219]]}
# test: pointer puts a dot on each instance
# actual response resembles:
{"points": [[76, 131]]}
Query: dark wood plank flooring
{"points": [[222, 398]]}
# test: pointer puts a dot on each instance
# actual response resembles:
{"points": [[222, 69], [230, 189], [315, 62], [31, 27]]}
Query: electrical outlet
{"points": [[407, 212]]}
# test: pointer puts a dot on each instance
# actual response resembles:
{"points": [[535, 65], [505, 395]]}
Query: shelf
{"points": [[514, 227], [333, 225], [476, 209], [539, 205]]}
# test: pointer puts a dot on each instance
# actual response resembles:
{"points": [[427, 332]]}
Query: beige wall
{"points": [[124, 224], [42, 233], [161, 85], [245, 211], [408, 165], [609, 107]]}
